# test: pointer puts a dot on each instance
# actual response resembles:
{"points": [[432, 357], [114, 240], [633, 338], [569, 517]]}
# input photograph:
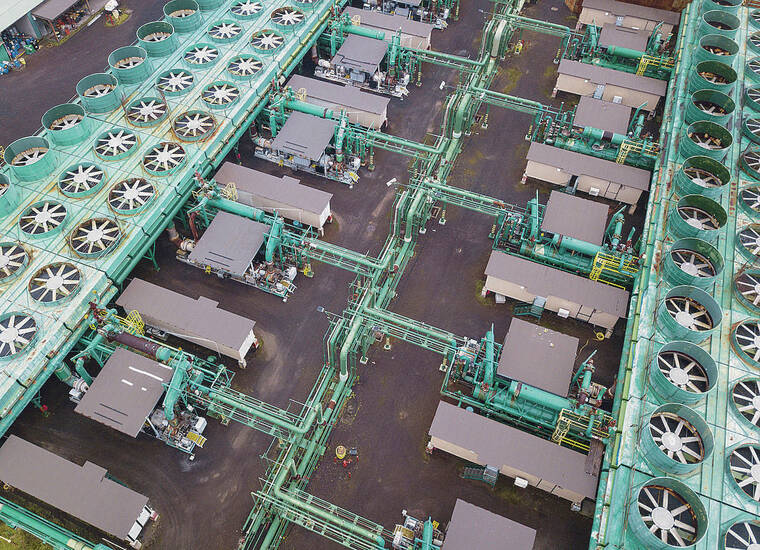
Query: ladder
{"points": [[607, 263], [534, 309], [488, 474], [654, 62]]}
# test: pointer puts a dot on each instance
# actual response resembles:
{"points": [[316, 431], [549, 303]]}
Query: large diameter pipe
{"points": [[627, 53]]}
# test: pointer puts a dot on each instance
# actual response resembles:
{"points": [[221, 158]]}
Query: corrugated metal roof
{"points": [[11, 11], [572, 216], [611, 77], [605, 115], [642, 12], [50, 9], [125, 392], [579, 164], [230, 243], [201, 318], [329, 94], [283, 189], [304, 135], [473, 528], [612, 35], [81, 491], [499, 445], [546, 281], [383, 21], [360, 53], [538, 356]]}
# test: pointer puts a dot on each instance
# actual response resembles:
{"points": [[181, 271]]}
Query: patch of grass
{"points": [[14, 539], [550, 71], [479, 296], [512, 75]]}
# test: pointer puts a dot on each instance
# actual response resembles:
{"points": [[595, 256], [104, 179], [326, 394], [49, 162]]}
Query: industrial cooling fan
{"points": [[705, 141], [287, 16], [94, 237], [80, 179], [224, 30], [667, 515], [744, 535], [751, 161], [747, 338], [99, 90], [698, 218], [744, 464], [710, 108], [746, 397], [182, 13], [220, 93], [701, 177], [115, 143], [689, 313], [29, 156], [747, 285], [750, 196], [193, 125], [175, 81], [713, 78], [146, 111], [754, 94], [749, 238], [157, 36], [42, 218], [164, 157], [202, 54], [682, 371], [16, 332], [13, 258], [244, 66], [677, 438], [130, 195], [266, 40], [54, 282], [66, 121], [247, 8], [754, 65], [129, 62], [692, 263]]}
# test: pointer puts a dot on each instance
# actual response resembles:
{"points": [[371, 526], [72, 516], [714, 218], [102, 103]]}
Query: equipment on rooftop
{"points": [[416, 534]]}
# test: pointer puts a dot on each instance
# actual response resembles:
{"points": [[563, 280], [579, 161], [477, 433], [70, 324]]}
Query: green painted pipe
{"points": [[627, 53], [488, 361], [427, 535], [237, 208], [364, 31]]}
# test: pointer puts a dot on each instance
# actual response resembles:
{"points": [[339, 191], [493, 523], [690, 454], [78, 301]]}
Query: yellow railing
{"points": [[606, 263]]}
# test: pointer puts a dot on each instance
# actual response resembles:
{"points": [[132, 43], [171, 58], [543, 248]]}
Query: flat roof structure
{"points": [[125, 392], [359, 53], [200, 321], [496, 444], [51, 9], [473, 528], [229, 243], [572, 216], [330, 95], [579, 164], [542, 280], [304, 135], [391, 23], [634, 39], [81, 491], [610, 77], [605, 115], [634, 10], [538, 356]]}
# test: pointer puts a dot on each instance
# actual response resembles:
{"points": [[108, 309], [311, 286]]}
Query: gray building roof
{"points": [[546, 281], [125, 392], [201, 318], [634, 10], [359, 53], [498, 445], [473, 528], [81, 491], [391, 23], [611, 77], [572, 216], [283, 189], [304, 135], [605, 115], [538, 356], [328, 94], [579, 164], [51, 9], [230, 243], [634, 39]]}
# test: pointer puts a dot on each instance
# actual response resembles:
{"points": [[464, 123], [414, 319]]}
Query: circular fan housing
{"points": [[220, 94], [744, 467], [43, 219], [287, 17], [747, 289], [115, 144], [743, 535], [714, 47], [13, 260], [750, 162], [194, 126], [201, 55], [720, 22], [157, 38], [751, 129], [712, 75], [745, 338], [17, 332], [745, 396], [130, 64], [692, 262], [702, 175], [749, 200], [752, 97], [682, 372], [54, 283], [224, 31], [688, 313], [697, 216], [754, 18], [99, 93], [748, 241], [30, 158], [164, 159], [707, 139], [81, 180], [184, 15], [95, 238], [243, 67], [147, 111], [175, 82], [709, 105], [676, 439], [66, 124], [131, 196], [246, 9], [266, 40]]}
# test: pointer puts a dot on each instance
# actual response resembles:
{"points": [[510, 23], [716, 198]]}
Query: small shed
{"points": [[199, 321], [605, 115], [566, 294], [304, 137], [624, 14], [359, 57], [586, 79], [545, 465], [85, 492], [362, 107], [414, 34], [475, 528], [572, 216], [285, 194], [230, 243], [538, 356], [633, 39], [595, 176]]}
